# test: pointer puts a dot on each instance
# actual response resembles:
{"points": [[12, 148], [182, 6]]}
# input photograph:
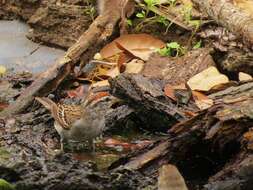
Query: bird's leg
{"points": [[62, 145], [93, 145]]}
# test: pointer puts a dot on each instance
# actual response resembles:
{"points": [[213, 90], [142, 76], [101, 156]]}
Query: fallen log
{"points": [[214, 134], [99, 31], [230, 16]]}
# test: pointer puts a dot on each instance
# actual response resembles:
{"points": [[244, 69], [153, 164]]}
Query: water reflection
{"points": [[21, 54]]}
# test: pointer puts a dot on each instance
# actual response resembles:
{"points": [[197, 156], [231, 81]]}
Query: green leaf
{"points": [[4, 185], [151, 3], [173, 45], [195, 23], [164, 51], [141, 14], [197, 45], [129, 22]]}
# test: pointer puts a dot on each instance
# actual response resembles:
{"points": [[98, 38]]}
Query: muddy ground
{"points": [[28, 140]]}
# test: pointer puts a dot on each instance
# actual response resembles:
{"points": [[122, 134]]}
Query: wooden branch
{"points": [[99, 31], [224, 12]]}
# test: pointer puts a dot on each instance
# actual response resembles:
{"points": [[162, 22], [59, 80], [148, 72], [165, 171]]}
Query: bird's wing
{"points": [[46, 102], [68, 114]]}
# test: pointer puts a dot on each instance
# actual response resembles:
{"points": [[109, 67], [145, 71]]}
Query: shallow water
{"points": [[16, 50]]}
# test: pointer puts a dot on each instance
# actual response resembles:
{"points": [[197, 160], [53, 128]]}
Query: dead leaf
{"points": [[169, 90], [2, 70], [100, 84], [125, 145], [96, 96], [135, 66], [207, 79], [79, 92], [244, 76], [244, 5], [138, 44], [170, 178], [190, 113], [248, 137], [122, 59], [201, 100], [113, 72], [114, 142], [3, 105]]}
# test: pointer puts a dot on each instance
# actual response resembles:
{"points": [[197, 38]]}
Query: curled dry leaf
{"points": [[207, 79], [169, 90], [100, 84], [134, 66], [201, 100], [244, 76], [140, 45]]}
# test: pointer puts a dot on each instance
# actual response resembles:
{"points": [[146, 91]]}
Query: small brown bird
{"points": [[78, 123]]}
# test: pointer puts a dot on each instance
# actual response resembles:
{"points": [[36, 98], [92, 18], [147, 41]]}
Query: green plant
{"points": [[151, 3], [162, 20], [145, 20], [129, 22], [141, 14], [90, 10], [187, 14], [172, 2], [4, 185], [197, 45], [172, 49]]}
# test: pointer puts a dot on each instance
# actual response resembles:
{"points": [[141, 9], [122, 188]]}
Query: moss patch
{"points": [[4, 185]]}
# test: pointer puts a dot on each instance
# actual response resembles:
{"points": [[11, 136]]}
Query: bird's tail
{"points": [[46, 102]]}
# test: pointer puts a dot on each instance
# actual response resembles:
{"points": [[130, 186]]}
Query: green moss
{"points": [[4, 185]]}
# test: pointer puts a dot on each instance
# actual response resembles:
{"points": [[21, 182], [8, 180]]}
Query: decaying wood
{"points": [[98, 32], [219, 127], [178, 70], [230, 16], [144, 93]]}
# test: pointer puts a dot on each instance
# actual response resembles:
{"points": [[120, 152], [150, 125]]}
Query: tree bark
{"points": [[230, 16]]}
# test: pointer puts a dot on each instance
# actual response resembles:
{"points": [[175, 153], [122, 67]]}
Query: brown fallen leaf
{"points": [[134, 66], [114, 142], [207, 79], [244, 5], [244, 76], [79, 92], [113, 72], [100, 84], [140, 45], [248, 137], [201, 100], [169, 90], [125, 145], [3, 105], [170, 178], [96, 96]]}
